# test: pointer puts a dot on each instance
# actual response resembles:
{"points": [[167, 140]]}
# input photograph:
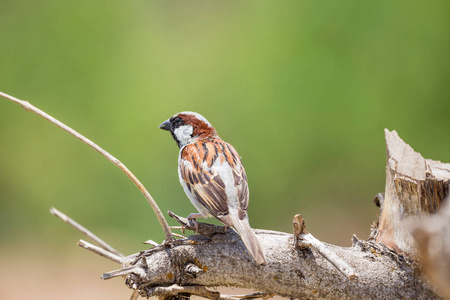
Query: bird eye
{"points": [[177, 120]]}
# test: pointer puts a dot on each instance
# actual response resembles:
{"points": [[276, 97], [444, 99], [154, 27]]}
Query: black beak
{"points": [[165, 125]]}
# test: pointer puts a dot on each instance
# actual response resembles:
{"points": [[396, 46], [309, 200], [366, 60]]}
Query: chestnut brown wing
{"points": [[204, 169]]}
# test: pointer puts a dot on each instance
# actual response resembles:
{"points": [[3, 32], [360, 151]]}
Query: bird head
{"points": [[188, 127]]}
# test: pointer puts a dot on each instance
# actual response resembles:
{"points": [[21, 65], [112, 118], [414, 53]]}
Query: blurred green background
{"points": [[303, 90]]}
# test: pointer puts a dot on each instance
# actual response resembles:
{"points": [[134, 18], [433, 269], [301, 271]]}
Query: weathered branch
{"points": [[222, 260], [29, 107], [414, 186], [290, 273], [310, 269], [302, 240], [189, 265]]}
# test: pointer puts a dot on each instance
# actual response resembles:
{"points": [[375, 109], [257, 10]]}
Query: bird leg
{"points": [[193, 217]]}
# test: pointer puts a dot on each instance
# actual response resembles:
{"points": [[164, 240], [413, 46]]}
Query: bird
{"points": [[213, 177]]}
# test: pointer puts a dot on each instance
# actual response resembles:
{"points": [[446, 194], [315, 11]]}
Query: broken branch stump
{"points": [[414, 186]]}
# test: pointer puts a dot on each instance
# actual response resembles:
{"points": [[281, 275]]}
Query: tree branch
{"points": [[222, 260], [85, 231], [29, 107]]}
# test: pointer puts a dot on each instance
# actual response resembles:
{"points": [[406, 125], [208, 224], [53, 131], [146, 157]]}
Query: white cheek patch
{"points": [[184, 134]]}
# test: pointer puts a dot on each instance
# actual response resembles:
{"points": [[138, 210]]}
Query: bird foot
{"points": [[192, 217]]}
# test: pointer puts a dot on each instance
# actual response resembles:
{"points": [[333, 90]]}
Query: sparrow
{"points": [[213, 177]]}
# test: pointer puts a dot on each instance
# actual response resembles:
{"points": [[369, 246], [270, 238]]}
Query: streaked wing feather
{"points": [[205, 183], [240, 181], [206, 187]]}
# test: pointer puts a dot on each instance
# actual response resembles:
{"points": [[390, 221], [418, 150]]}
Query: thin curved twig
{"points": [[29, 107], [85, 231]]}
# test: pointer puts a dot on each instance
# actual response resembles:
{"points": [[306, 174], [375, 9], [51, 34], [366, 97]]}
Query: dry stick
{"points": [[339, 263], [124, 272], [100, 251], [85, 231], [151, 242], [29, 107], [304, 239], [135, 295]]}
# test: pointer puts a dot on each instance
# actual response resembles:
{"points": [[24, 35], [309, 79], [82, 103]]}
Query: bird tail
{"points": [[250, 239]]}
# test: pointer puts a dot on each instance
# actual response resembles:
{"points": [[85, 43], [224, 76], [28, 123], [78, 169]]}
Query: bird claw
{"points": [[192, 217], [195, 224]]}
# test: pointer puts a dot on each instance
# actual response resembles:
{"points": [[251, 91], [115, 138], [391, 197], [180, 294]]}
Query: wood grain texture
{"points": [[289, 273], [415, 186]]}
